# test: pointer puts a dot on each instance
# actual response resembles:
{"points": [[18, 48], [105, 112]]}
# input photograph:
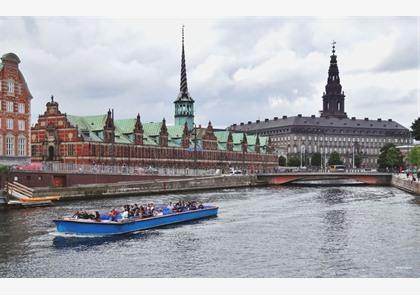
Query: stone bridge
{"points": [[289, 177]]}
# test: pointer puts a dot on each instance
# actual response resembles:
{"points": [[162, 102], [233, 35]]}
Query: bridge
{"points": [[371, 178]]}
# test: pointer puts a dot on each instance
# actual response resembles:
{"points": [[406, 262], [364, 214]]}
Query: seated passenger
{"points": [[97, 216], [124, 215], [76, 214], [200, 206]]}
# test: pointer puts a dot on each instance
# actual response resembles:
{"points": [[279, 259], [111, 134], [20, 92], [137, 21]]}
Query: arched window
{"points": [[339, 106], [21, 146], [10, 145], [328, 105], [1, 145]]}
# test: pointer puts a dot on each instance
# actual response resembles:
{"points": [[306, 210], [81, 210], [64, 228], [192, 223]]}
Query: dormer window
{"points": [[10, 86]]}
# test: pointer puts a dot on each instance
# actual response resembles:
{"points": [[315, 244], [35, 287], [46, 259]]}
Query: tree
{"points": [[357, 160], [282, 161], [316, 160], [415, 127], [390, 157], [334, 159], [293, 161], [414, 156]]}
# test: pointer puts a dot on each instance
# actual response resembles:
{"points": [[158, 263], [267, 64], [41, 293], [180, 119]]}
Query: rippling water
{"points": [[260, 232]]}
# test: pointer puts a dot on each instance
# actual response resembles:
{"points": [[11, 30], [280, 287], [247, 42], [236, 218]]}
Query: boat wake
{"points": [[84, 242]]}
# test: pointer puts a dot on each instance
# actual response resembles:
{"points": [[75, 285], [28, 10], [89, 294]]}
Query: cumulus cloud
{"points": [[239, 69]]}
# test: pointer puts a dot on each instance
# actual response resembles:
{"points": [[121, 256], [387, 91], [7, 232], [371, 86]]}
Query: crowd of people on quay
{"points": [[142, 211], [413, 174]]}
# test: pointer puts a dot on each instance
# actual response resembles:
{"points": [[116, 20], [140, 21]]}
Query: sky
{"points": [[239, 68]]}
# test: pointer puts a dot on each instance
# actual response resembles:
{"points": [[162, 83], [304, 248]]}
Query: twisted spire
{"points": [[183, 87]]}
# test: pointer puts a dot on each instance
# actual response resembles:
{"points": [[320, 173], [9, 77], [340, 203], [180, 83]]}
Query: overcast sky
{"points": [[239, 69]]}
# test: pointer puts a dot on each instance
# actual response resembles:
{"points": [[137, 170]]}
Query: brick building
{"points": [[302, 136], [101, 139], [15, 102]]}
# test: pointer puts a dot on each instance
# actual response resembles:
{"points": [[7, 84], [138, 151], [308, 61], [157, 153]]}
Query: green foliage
{"points": [[415, 127], [293, 161], [335, 159], [282, 161], [316, 160], [390, 157], [414, 156], [357, 160], [3, 169]]}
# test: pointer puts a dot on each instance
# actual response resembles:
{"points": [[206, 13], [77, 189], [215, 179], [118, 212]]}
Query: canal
{"points": [[295, 231]]}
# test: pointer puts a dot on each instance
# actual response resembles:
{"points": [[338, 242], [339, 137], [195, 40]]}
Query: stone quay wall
{"points": [[148, 187], [401, 182]]}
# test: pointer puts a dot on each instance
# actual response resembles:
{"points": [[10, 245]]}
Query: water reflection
{"points": [[335, 234], [332, 196]]}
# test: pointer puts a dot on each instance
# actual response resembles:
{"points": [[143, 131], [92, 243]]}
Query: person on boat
{"points": [[200, 206], [97, 216], [124, 215], [113, 214], [76, 214], [193, 206]]}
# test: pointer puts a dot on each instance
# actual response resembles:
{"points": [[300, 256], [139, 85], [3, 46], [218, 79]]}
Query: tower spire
{"points": [[183, 88], [333, 98], [184, 104]]}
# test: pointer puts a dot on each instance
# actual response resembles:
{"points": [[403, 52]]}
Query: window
{"points": [[1, 145], [21, 146], [9, 106], [21, 124], [11, 86], [10, 145], [70, 150], [21, 108], [9, 123]]}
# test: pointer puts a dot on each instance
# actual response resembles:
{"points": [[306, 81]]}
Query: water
{"points": [[260, 232]]}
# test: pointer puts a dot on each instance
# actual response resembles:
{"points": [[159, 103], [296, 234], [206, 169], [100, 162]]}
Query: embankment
{"points": [[405, 184], [148, 187]]}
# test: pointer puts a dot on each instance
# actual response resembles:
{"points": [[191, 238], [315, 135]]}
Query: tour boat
{"points": [[122, 226]]}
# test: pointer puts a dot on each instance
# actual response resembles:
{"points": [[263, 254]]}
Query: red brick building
{"points": [[58, 137], [15, 102]]}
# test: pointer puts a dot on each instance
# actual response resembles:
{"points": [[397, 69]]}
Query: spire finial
{"points": [[183, 85], [52, 98], [182, 35], [333, 47]]}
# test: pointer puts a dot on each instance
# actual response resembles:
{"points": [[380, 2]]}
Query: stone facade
{"points": [[15, 107], [302, 136]]}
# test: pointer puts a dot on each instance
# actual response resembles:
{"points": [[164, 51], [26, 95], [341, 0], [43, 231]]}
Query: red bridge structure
{"points": [[369, 178]]}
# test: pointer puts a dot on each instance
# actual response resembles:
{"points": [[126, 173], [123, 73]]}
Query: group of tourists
{"points": [[82, 214], [142, 211]]}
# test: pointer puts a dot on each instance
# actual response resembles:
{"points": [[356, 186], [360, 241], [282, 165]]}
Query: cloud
{"points": [[239, 69]]}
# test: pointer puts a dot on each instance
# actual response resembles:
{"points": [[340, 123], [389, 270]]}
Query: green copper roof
{"points": [[91, 129], [92, 123], [125, 126]]}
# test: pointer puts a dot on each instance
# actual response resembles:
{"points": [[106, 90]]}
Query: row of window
{"points": [[10, 107], [343, 139], [10, 124], [10, 145], [327, 150]]}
